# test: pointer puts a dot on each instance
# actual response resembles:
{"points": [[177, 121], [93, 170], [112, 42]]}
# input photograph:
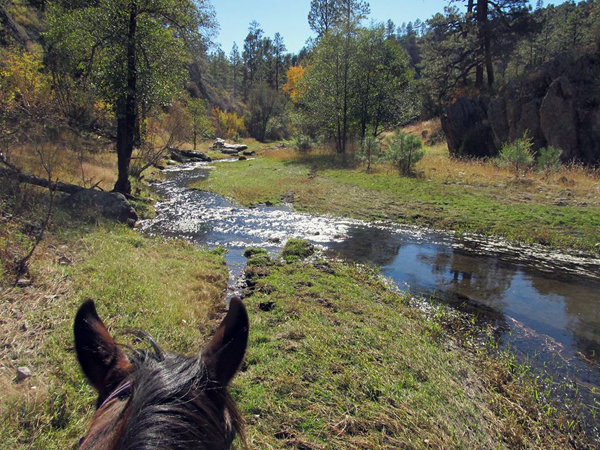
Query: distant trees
{"points": [[323, 15], [135, 52], [264, 103], [357, 81], [464, 50], [566, 28]]}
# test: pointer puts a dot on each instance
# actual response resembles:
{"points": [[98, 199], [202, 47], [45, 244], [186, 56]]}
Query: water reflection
{"points": [[550, 303]]}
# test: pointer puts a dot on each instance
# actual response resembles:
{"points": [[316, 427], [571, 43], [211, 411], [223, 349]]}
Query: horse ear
{"points": [[225, 352], [101, 359]]}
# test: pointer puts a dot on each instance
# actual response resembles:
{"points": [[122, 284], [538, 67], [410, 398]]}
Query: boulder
{"points": [[228, 149], [558, 119], [219, 143], [195, 155], [467, 129], [112, 205], [556, 105], [498, 122], [178, 157]]}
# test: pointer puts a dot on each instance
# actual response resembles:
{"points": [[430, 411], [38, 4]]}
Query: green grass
{"points": [[170, 289], [337, 361], [319, 184]]}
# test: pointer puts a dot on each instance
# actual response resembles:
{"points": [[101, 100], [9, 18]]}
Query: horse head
{"points": [[158, 400]]}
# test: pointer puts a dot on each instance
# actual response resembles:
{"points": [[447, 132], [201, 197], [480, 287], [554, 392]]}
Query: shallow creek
{"points": [[545, 306]]}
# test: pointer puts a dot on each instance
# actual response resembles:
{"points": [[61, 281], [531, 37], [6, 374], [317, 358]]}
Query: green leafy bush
{"points": [[517, 155], [404, 151], [549, 159]]}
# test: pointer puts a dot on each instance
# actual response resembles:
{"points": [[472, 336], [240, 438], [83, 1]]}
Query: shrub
{"points": [[404, 151], [517, 155], [303, 143], [549, 159], [229, 125], [369, 151]]}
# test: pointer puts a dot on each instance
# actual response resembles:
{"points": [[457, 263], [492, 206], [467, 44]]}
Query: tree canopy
{"points": [[135, 53]]}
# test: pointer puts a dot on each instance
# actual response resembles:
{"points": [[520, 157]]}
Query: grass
{"points": [[337, 361], [168, 288], [560, 210]]}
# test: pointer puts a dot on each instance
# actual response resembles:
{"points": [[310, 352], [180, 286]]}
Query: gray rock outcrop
{"points": [[228, 149], [185, 156], [559, 106]]}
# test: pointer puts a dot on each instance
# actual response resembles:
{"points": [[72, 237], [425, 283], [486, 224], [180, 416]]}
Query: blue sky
{"points": [[289, 18]]}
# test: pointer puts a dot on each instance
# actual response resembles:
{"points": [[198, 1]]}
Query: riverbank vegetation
{"points": [[170, 289], [337, 360], [560, 209]]}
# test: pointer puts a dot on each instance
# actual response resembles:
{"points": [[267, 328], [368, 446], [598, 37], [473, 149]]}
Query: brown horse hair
{"points": [[163, 400]]}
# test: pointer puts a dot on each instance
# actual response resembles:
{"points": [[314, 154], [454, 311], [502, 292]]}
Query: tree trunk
{"points": [[127, 111], [484, 40], [489, 66]]}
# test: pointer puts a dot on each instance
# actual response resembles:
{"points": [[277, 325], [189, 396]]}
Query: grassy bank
{"points": [[337, 361], [561, 210], [170, 289]]}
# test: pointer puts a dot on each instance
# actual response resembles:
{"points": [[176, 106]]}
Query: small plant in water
{"points": [[549, 159], [404, 151], [517, 155]]}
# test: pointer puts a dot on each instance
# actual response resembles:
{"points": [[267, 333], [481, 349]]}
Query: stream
{"points": [[545, 305]]}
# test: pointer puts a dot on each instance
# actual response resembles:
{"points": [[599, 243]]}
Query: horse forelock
{"points": [[172, 405]]}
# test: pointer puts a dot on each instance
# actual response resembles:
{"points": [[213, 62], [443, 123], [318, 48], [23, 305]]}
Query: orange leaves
{"points": [[294, 86]]}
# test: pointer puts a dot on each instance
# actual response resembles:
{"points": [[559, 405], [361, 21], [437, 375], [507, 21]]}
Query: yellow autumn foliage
{"points": [[294, 87]]}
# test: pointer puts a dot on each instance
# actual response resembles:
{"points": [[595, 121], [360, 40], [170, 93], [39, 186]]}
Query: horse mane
{"points": [[168, 407], [168, 403], [149, 399]]}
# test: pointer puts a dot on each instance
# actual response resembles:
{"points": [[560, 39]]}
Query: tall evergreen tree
{"points": [[323, 15], [236, 67]]}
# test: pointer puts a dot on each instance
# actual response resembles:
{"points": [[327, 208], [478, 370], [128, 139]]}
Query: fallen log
{"points": [[39, 181]]}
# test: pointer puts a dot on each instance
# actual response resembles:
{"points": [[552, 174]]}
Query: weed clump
{"points": [[297, 249]]}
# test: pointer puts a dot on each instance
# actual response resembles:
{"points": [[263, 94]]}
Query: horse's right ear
{"points": [[225, 352], [101, 359]]}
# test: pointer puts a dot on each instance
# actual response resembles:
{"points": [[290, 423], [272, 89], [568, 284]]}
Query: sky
{"points": [[289, 18]]}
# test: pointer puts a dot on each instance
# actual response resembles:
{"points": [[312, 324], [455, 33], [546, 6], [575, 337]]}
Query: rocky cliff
{"points": [[558, 105]]}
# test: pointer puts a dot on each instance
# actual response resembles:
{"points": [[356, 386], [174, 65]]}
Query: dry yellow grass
{"points": [[572, 184], [68, 165]]}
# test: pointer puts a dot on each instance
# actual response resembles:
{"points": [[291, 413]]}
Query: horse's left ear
{"points": [[101, 359], [225, 352]]}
